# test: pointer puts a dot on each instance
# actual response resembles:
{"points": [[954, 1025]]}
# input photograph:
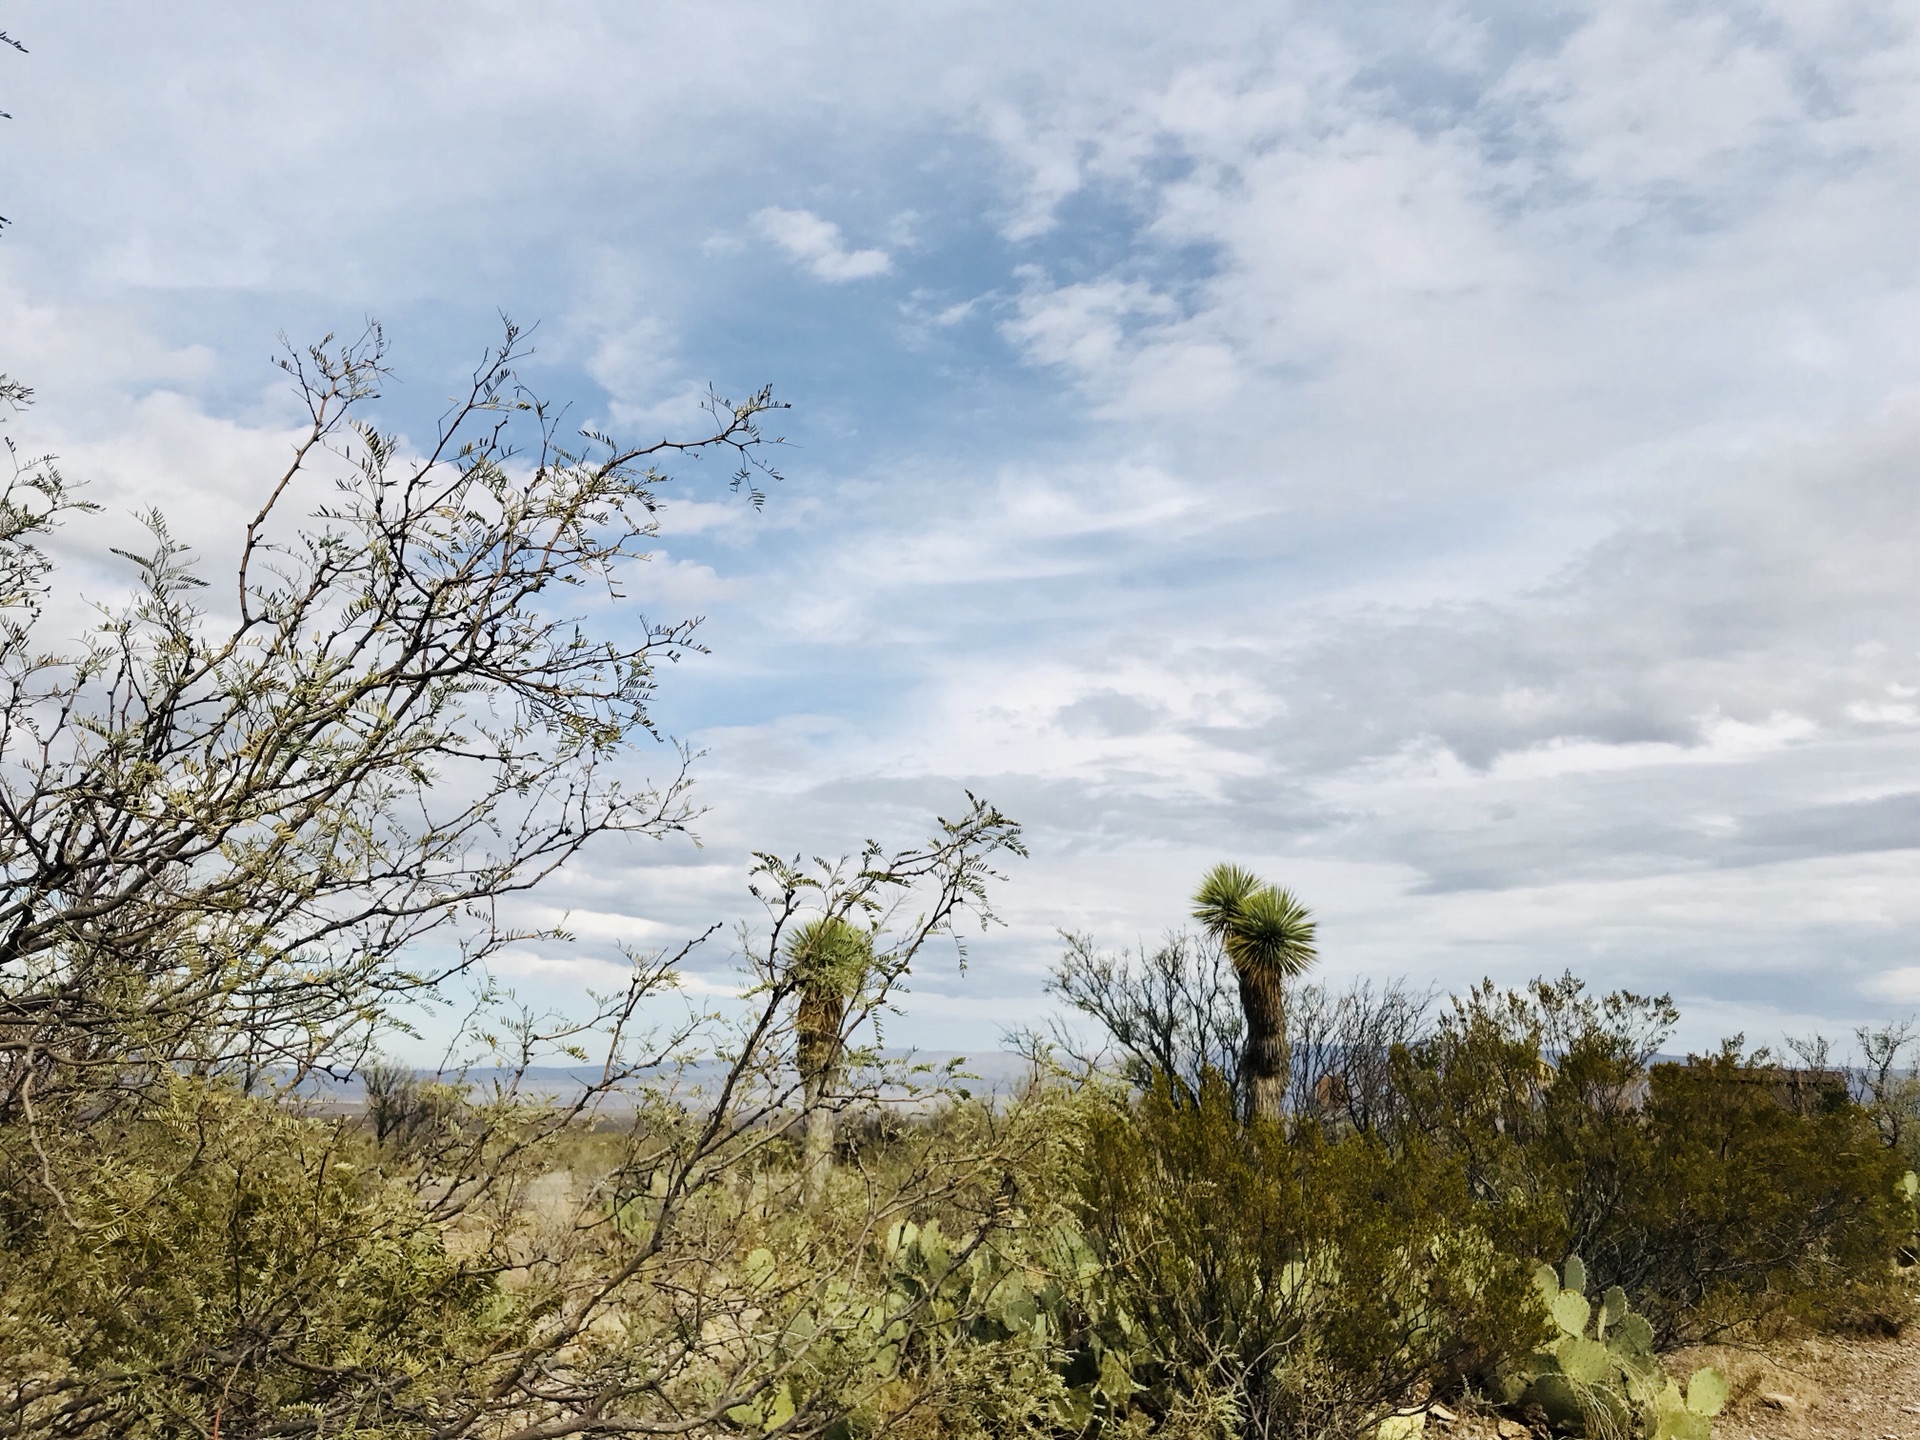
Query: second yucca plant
{"points": [[1268, 936]]}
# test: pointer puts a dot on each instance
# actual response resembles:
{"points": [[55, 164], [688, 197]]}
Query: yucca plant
{"points": [[1268, 936], [830, 958]]}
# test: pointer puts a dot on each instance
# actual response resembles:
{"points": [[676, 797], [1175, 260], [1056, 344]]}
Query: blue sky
{"points": [[1459, 460]]}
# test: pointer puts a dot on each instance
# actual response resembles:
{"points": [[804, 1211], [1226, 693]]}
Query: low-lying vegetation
{"points": [[1530, 1215]]}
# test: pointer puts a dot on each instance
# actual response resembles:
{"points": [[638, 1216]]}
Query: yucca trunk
{"points": [[1265, 1060], [822, 1013], [1268, 936]]}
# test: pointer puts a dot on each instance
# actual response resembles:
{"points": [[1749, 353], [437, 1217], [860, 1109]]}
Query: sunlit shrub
{"points": [[215, 1256], [1756, 1201], [1318, 1281], [1716, 1193]]}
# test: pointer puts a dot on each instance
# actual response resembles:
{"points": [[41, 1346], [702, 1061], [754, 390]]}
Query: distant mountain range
{"points": [[994, 1072]]}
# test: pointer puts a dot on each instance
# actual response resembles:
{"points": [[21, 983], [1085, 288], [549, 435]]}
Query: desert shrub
{"points": [[1174, 1011], [1538, 1093], [635, 1254], [1715, 1193], [403, 1108], [1516, 1126], [1762, 1194], [1171, 1012], [955, 1335], [212, 1257], [1889, 1087], [1316, 1281], [1343, 1043], [243, 842]]}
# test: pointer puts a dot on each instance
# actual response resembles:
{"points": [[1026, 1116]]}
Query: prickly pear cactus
{"points": [[1687, 1415], [1599, 1377], [1048, 1308]]}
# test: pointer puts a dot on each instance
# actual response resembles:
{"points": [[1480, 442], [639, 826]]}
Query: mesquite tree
{"points": [[227, 830], [635, 1258], [1268, 935], [238, 825]]}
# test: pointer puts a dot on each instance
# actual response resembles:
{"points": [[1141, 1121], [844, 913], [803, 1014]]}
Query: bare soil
{"points": [[1826, 1389]]}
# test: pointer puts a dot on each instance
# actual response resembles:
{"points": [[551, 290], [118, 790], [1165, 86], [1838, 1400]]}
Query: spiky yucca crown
{"points": [[830, 956], [1261, 927]]}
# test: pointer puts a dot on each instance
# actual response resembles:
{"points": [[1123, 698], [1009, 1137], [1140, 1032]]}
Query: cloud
{"points": [[817, 246], [1900, 985], [1433, 454]]}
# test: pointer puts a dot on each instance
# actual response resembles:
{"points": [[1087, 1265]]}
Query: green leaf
{"points": [[1608, 1413], [1643, 1385], [782, 1408], [1546, 1282], [1576, 1275], [1614, 1309], [1510, 1386], [1555, 1395], [1682, 1425], [1632, 1336], [1587, 1361], [1012, 1304], [1706, 1391], [1571, 1311], [760, 1269], [1075, 1408], [1116, 1378]]}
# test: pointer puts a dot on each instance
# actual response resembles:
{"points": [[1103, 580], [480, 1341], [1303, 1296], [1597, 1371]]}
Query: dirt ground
{"points": [[1824, 1390]]}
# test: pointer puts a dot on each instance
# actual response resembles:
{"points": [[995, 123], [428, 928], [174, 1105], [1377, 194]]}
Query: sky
{"points": [[1456, 460]]}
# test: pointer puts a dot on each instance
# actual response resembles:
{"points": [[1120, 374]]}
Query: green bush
{"points": [[1091, 1260], [1318, 1282], [1761, 1196], [1538, 1094], [215, 1256], [1717, 1193]]}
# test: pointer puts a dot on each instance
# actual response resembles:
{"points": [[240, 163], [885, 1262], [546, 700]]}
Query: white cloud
{"points": [[1459, 459], [816, 244], [1901, 985]]}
